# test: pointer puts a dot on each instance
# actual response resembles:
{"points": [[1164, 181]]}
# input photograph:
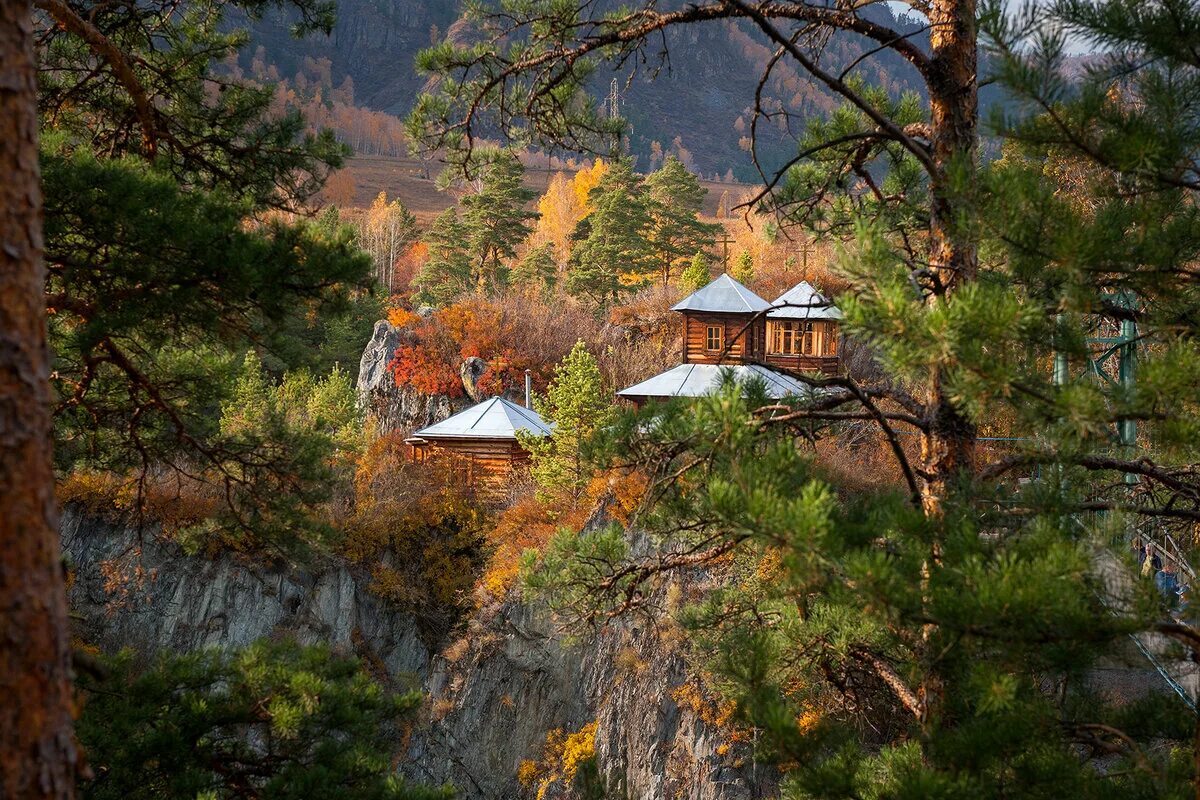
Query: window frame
{"points": [[708, 337]]}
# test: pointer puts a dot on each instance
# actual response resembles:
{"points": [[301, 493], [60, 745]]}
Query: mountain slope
{"points": [[698, 107]]}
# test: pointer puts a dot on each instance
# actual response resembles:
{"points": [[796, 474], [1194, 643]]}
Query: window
{"points": [[714, 337], [781, 337], [808, 338], [790, 338]]}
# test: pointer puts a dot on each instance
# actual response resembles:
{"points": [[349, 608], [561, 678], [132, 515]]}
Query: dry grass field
{"points": [[405, 179]]}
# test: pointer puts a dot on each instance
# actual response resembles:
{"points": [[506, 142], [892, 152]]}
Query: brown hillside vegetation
{"points": [[411, 181]]}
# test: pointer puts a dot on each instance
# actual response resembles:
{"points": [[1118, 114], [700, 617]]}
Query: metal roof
{"points": [[804, 302], [725, 296], [695, 380], [492, 419]]}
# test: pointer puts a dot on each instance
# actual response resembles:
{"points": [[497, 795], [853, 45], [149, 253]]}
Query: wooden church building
{"points": [[725, 325]]}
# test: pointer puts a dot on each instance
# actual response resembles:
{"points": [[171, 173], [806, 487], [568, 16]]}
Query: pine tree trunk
{"points": [[948, 447], [37, 748], [948, 450]]}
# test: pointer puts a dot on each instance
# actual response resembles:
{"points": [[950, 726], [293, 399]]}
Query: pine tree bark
{"points": [[948, 449], [37, 747]]}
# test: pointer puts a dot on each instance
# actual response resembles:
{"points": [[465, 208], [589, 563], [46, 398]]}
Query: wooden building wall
{"points": [[750, 345], [824, 358], [487, 465]]}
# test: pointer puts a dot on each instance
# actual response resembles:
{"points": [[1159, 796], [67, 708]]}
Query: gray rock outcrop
{"points": [[471, 371], [133, 589], [395, 408], [494, 692]]}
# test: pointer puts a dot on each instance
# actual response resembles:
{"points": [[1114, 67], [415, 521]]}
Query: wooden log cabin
{"points": [[727, 325], [802, 331], [483, 441]]}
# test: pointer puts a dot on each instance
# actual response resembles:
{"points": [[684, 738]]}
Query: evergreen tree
{"points": [[675, 199], [447, 272], [537, 269], [613, 250], [743, 267], [165, 256], [496, 221], [38, 754], [577, 405], [470, 247], [272, 720], [697, 274]]}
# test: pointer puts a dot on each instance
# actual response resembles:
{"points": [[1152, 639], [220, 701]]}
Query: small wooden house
{"points": [[722, 323], [727, 325], [484, 439], [802, 331]]}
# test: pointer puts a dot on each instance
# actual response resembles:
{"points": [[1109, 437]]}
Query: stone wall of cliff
{"points": [[495, 690]]}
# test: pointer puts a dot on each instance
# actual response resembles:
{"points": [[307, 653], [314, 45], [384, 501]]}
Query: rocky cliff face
{"points": [[132, 589], [495, 692]]}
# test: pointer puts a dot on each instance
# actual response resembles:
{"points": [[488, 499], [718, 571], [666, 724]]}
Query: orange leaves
{"points": [[401, 317], [525, 525], [418, 367], [490, 330]]}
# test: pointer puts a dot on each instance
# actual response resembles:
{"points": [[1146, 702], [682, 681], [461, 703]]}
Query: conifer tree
{"points": [[496, 221], [743, 267], [165, 256], [675, 197], [577, 405], [537, 269], [273, 719], [447, 272], [38, 752], [613, 250], [470, 246], [697, 274]]}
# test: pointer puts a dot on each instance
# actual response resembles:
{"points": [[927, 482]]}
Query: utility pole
{"points": [[614, 112]]}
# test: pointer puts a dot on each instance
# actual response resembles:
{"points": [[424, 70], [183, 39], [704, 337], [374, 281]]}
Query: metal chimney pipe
{"points": [[529, 388]]}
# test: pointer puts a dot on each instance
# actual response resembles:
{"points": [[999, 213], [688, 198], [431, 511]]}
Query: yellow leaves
{"points": [[584, 181], [563, 205], [717, 713], [527, 773], [808, 720], [562, 757]]}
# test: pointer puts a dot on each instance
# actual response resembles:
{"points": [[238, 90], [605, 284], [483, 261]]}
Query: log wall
{"points": [[748, 346]]}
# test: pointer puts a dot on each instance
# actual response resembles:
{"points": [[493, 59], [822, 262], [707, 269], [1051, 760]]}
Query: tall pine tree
{"points": [[675, 199], [613, 250]]}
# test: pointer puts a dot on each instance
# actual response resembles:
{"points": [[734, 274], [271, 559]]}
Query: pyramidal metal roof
{"points": [[492, 419], [802, 301], [724, 295], [696, 380]]}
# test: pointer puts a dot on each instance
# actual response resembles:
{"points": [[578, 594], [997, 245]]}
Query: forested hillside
{"points": [[698, 106], [520, 458]]}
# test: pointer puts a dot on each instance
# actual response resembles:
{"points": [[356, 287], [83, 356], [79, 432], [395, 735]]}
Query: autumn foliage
{"points": [[418, 532]]}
